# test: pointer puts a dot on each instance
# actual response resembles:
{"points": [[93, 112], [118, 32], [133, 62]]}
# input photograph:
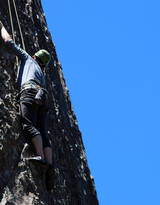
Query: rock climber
{"points": [[33, 101]]}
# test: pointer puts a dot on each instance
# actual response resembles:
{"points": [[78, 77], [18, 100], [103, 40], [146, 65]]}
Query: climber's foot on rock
{"points": [[37, 161]]}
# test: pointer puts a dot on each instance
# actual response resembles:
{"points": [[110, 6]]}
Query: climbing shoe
{"points": [[38, 161], [50, 178]]}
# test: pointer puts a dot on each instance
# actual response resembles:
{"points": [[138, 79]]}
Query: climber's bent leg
{"points": [[29, 120]]}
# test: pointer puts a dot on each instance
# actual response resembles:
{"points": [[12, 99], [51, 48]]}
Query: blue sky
{"points": [[110, 53]]}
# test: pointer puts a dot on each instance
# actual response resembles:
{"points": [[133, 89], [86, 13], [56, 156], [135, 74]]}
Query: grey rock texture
{"points": [[22, 183]]}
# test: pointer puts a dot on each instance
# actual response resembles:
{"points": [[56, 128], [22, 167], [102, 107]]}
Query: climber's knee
{"points": [[30, 132]]}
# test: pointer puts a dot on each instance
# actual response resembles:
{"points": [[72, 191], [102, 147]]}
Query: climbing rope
{"points": [[20, 30], [11, 20]]}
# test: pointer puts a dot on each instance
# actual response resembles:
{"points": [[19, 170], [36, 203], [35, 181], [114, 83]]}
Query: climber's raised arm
{"points": [[4, 34], [10, 45]]}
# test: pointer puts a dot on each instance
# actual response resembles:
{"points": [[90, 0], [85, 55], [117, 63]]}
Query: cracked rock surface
{"points": [[21, 182]]}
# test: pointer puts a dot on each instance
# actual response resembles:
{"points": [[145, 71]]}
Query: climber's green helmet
{"points": [[43, 57]]}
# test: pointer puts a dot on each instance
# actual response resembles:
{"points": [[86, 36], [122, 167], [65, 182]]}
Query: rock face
{"points": [[22, 183]]}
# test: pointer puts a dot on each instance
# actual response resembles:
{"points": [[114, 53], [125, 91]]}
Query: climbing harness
{"points": [[18, 21]]}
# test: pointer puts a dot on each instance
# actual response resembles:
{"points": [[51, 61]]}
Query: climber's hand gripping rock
{"points": [[4, 34]]}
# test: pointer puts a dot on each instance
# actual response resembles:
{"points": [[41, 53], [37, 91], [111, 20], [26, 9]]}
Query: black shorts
{"points": [[33, 117]]}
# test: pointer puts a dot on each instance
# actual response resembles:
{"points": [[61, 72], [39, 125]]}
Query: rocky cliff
{"points": [[20, 181]]}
